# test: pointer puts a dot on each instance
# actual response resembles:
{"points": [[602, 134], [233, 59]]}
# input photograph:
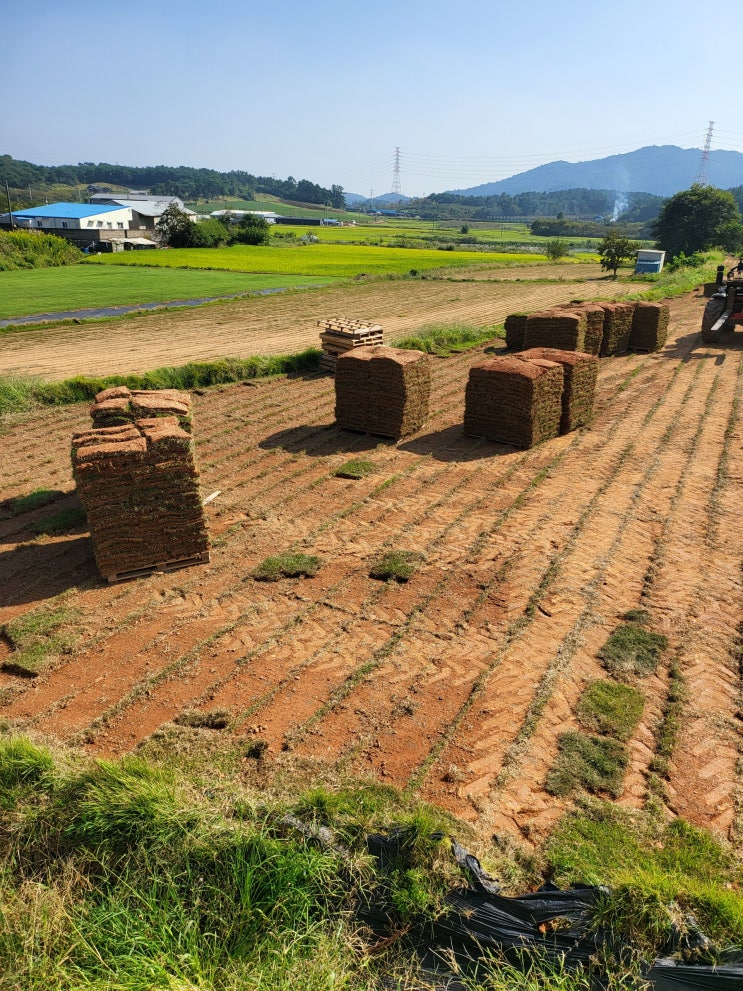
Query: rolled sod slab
{"points": [[579, 384], [382, 391], [119, 405], [139, 487], [649, 326], [514, 400], [564, 330]]}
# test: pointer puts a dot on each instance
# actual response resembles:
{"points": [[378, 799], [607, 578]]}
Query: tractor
{"points": [[724, 308]]}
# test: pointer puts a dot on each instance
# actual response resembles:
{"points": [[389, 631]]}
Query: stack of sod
{"points": [[594, 324], [120, 405], [617, 327], [140, 489], [514, 400], [649, 327], [561, 329], [515, 326], [382, 390], [579, 385]]}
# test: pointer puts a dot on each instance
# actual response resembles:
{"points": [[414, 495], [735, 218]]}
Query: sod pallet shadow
{"points": [[382, 390], [514, 400]]}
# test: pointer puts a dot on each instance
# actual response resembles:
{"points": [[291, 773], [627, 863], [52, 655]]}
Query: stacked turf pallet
{"points": [[382, 390], [514, 400], [341, 334], [649, 326], [594, 315], [617, 327], [140, 489], [119, 405], [561, 329], [579, 384], [515, 327]]}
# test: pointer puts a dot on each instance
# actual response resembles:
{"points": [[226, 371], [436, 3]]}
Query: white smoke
{"points": [[620, 204]]}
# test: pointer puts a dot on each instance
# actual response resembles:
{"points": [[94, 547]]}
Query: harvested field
{"points": [[458, 683], [269, 324]]}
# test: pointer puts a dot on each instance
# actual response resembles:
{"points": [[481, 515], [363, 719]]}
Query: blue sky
{"points": [[470, 92]]}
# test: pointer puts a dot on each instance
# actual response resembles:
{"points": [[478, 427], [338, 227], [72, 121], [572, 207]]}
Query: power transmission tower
{"points": [[700, 179], [396, 188]]}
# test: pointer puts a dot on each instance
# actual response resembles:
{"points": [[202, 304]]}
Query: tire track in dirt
{"points": [[524, 800]]}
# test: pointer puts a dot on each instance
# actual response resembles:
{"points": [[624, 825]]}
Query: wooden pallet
{"points": [[341, 334], [159, 568]]}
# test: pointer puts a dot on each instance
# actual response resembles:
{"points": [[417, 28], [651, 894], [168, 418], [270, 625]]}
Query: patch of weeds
{"points": [[256, 750], [596, 763], [610, 709], [286, 566], [356, 469], [668, 731], [658, 872], [396, 566], [34, 500], [62, 522], [448, 338], [36, 638], [198, 719], [632, 650], [639, 616]]}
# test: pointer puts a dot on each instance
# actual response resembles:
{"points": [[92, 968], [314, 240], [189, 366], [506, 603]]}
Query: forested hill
{"points": [[584, 203], [181, 180]]}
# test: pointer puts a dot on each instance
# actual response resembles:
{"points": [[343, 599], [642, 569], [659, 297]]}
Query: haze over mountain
{"points": [[659, 169]]}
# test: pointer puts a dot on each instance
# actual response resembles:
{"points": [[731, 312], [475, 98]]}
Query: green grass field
{"points": [[49, 290], [308, 260]]}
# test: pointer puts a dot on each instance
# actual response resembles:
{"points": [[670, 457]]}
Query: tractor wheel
{"points": [[712, 313]]}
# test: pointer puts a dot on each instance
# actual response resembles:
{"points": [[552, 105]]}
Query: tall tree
{"points": [[697, 219], [614, 249]]}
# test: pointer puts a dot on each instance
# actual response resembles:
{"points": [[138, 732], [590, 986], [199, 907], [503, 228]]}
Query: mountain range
{"points": [[659, 169]]}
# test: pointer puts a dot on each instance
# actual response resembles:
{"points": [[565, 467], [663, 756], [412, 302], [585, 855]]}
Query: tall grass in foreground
{"points": [[128, 875], [19, 394]]}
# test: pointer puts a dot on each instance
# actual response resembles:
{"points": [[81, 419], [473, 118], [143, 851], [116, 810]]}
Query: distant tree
{"points": [[556, 248], [175, 228], [614, 249], [252, 230], [697, 219]]}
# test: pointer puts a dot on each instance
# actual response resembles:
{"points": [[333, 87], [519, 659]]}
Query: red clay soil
{"points": [[457, 684]]}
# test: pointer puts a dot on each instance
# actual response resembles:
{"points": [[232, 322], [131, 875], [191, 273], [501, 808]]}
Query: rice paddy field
{"points": [[307, 259]]}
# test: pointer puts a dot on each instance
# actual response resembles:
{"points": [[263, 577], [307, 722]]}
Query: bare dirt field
{"points": [[288, 323], [457, 684]]}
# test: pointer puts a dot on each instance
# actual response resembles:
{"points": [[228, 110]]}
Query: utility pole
{"points": [[10, 212], [396, 187], [700, 179]]}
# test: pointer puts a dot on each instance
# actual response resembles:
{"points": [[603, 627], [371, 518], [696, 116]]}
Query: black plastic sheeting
{"points": [[669, 975], [557, 924]]}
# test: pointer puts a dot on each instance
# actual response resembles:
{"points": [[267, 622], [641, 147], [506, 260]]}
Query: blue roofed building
{"points": [[74, 216]]}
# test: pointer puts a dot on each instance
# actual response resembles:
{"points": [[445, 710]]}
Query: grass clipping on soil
{"points": [[514, 401], [396, 566], [632, 651], [37, 638], [286, 566]]}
